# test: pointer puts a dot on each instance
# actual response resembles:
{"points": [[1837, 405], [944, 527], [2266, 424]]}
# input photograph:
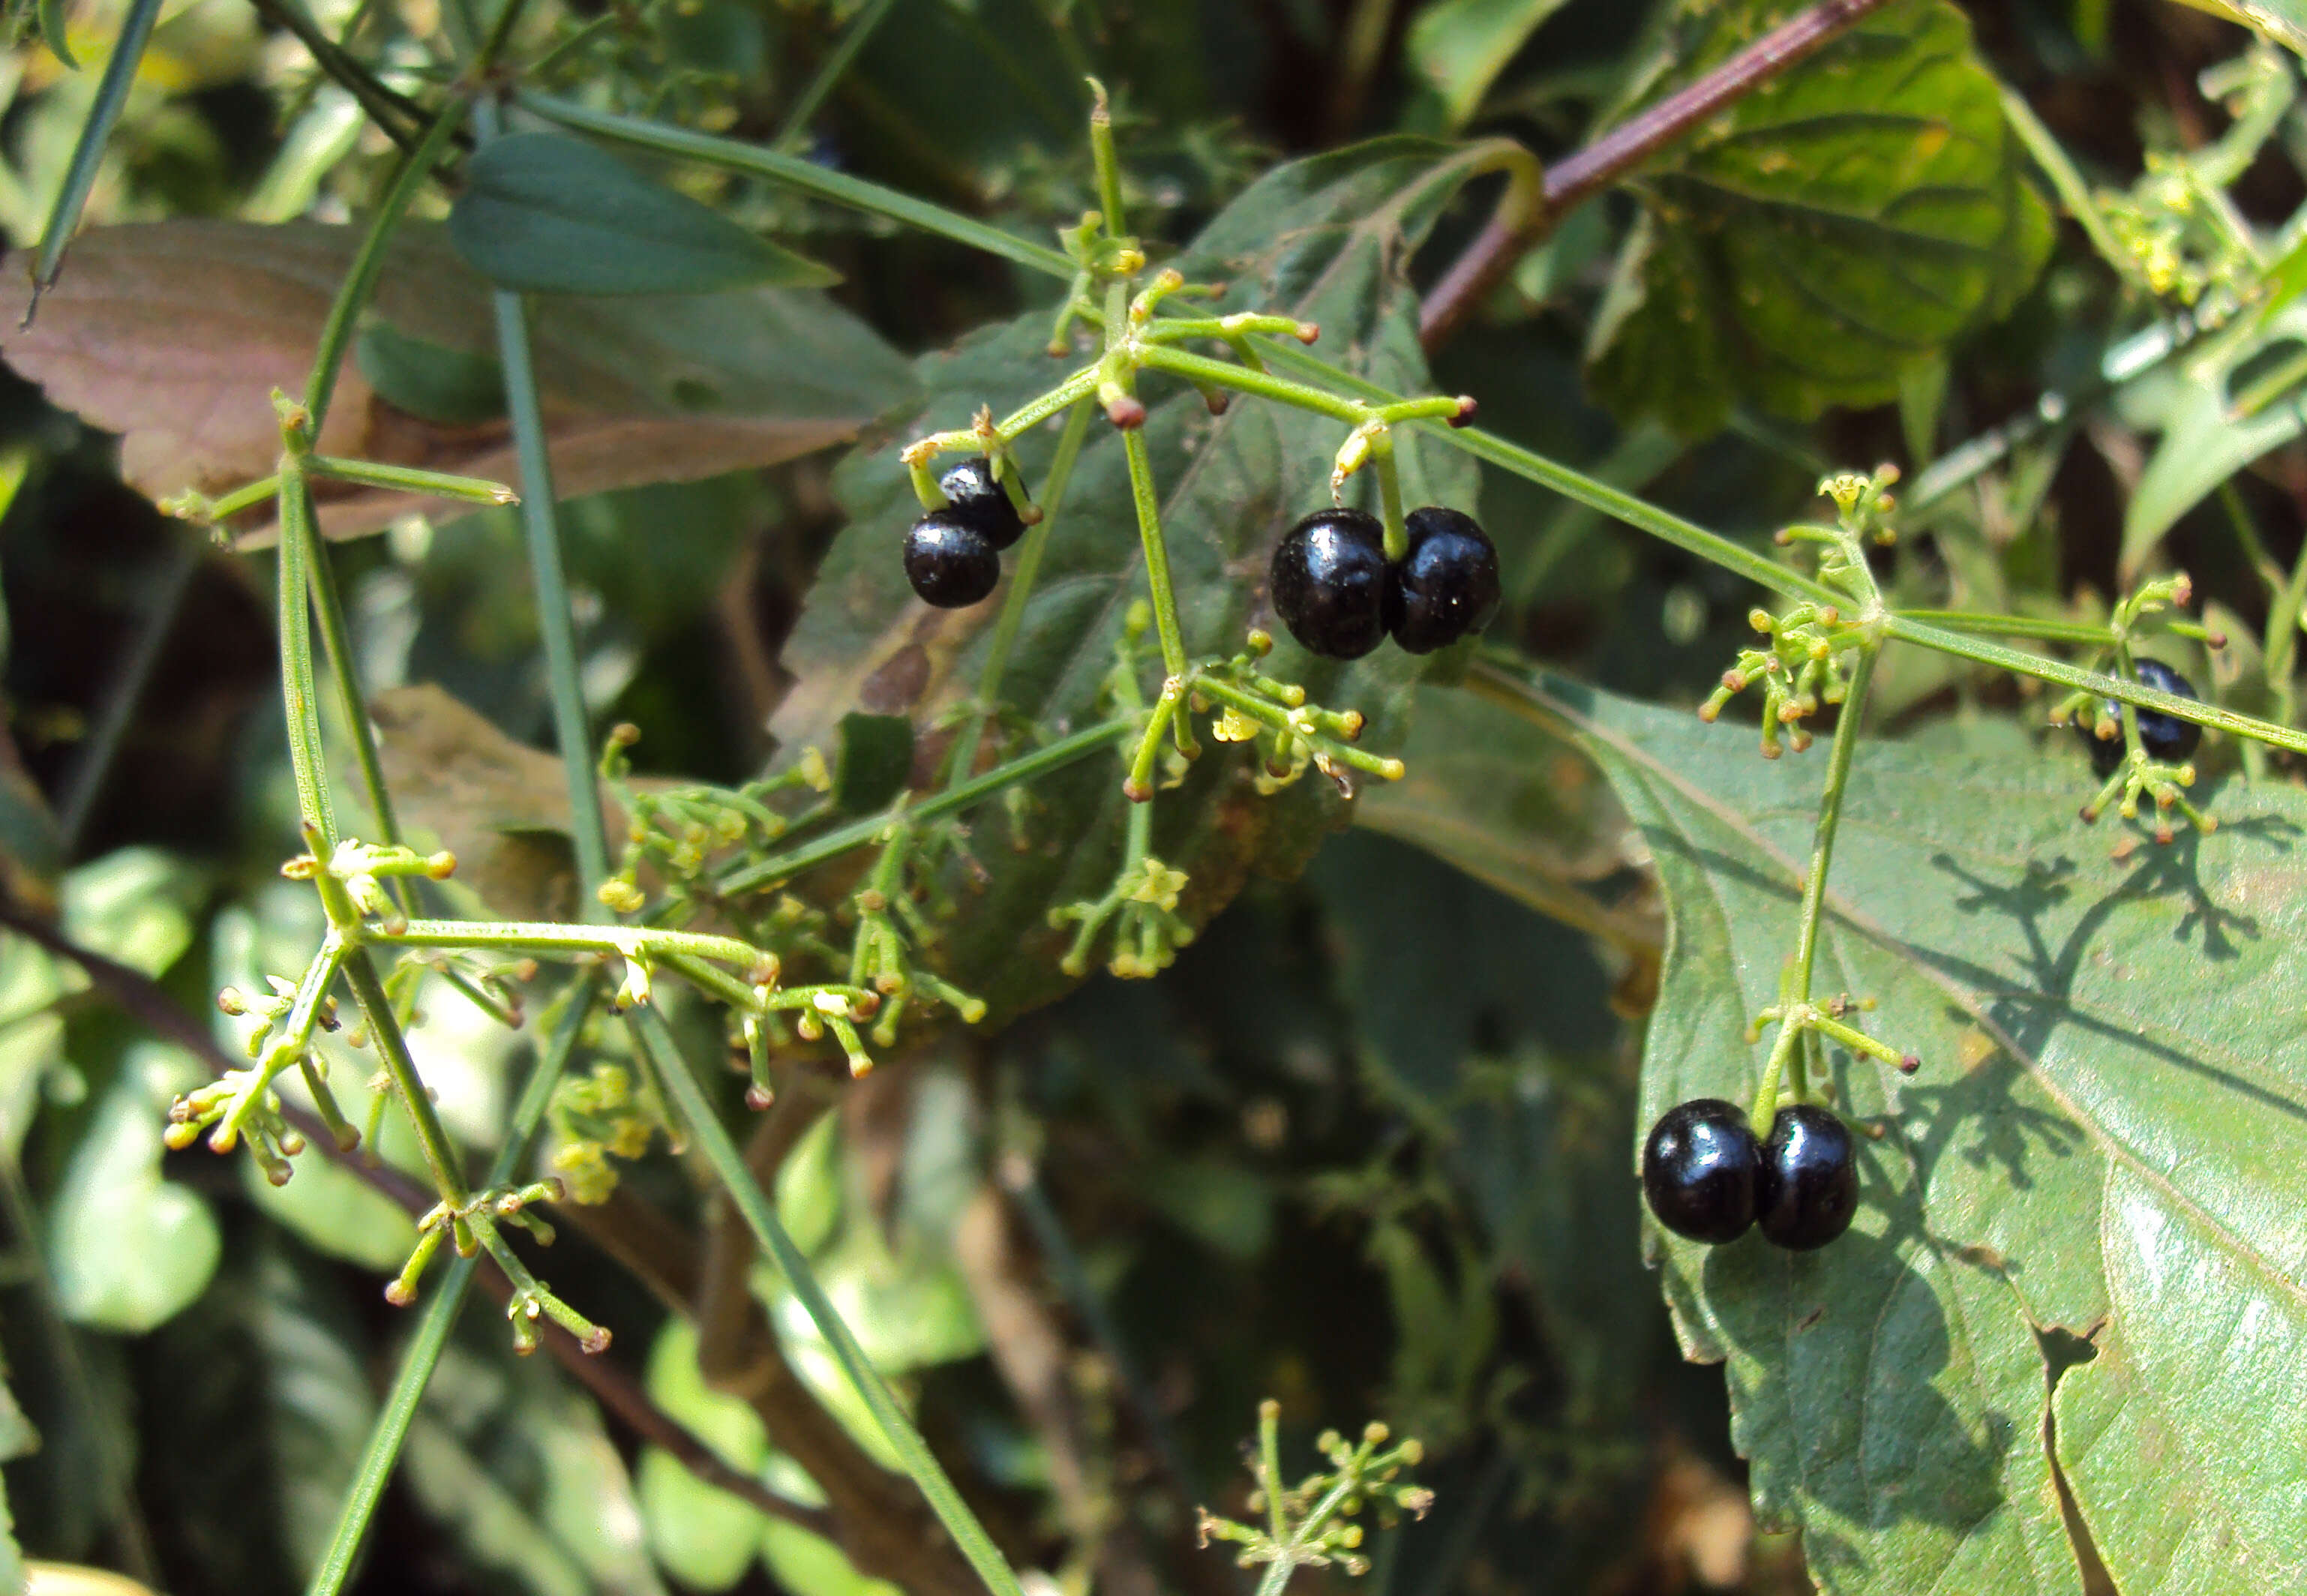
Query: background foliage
{"points": [[1367, 1147]]}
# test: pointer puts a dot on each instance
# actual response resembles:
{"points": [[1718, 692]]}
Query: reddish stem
{"points": [[1519, 224]]}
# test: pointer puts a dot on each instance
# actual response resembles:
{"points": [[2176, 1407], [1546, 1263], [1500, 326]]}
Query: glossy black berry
{"points": [[1329, 582], [1808, 1186], [981, 504], [1699, 1169], [950, 564], [1447, 586], [2163, 738]]}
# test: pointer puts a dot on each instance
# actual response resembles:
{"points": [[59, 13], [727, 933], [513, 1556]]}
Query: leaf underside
{"points": [[2107, 1138]]}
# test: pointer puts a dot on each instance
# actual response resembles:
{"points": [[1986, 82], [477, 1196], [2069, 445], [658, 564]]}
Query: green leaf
{"points": [[1849, 217], [542, 213], [875, 762], [319, 1405], [698, 1534], [1324, 239], [1456, 48], [2283, 21], [430, 382], [2106, 1140], [1518, 807], [127, 1248], [134, 905]]}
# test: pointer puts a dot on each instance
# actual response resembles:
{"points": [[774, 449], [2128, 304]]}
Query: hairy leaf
{"points": [[174, 333], [2105, 1143], [1846, 219], [1324, 239], [542, 213]]}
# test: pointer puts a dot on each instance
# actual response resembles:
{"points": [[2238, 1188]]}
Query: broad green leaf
{"points": [[698, 1534], [516, 1466], [319, 1405], [430, 381], [544, 213], [1456, 48], [128, 1248], [1850, 217], [1324, 239], [2105, 1138], [134, 905], [1518, 807]]}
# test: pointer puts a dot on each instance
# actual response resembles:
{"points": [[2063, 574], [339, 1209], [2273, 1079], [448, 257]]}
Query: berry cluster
{"points": [[2166, 739], [953, 555], [1333, 586], [1707, 1176]]}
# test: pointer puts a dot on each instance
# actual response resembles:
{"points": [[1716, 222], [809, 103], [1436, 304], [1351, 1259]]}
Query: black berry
{"points": [[950, 564], [979, 502], [1329, 582], [1446, 585], [1808, 1186], [1699, 1169], [2162, 737]]}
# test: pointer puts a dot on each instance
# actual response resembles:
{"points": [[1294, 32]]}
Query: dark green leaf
{"points": [[1323, 238], [547, 214], [455, 387], [1457, 48], [2107, 1138], [1848, 219], [875, 761]]}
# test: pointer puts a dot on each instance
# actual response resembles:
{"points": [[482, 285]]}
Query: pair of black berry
{"points": [[1706, 1176], [953, 555], [2166, 739], [1340, 596]]}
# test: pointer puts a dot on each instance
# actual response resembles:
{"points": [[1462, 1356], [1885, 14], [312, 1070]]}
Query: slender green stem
{"points": [[2042, 630], [2067, 182], [393, 111], [1247, 379], [87, 155], [553, 616], [424, 1348], [86, 783], [411, 479], [1107, 160], [336, 642], [805, 177], [2045, 669], [392, 1048], [524, 936], [300, 696], [1389, 503], [761, 1217], [858, 834], [836, 66], [1148, 499], [1269, 1458], [1276, 1577], [1022, 577], [2283, 620], [360, 281]]}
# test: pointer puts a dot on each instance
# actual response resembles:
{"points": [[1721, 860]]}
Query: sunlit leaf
{"points": [[1847, 219], [1458, 47], [2106, 1141]]}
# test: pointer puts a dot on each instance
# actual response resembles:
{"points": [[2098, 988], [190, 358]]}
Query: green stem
{"points": [[858, 834], [360, 281], [1143, 492], [523, 936], [1247, 379], [836, 66], [807, 177], [2067, 182], [761, 1217], [299, 694], [387, 106], [1108, 162], [336, 642], [2282, 647], [553, 616], [1022, 577], [2081, 633], [1389, 502], [392, 1048], [2044, 669], [382, 1450], [87, 155], [411, 479], [1276, 1578]]}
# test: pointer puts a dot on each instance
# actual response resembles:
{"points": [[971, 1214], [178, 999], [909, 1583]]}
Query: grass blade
{"points": [[87, 155]]}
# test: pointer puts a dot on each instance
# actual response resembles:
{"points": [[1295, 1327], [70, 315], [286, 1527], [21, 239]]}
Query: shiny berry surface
{"points": [[950, 564], [1447, 586], [2163, 738], [1808, 1186], [979, 502], [1699, 1169], [1328, 582]]}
